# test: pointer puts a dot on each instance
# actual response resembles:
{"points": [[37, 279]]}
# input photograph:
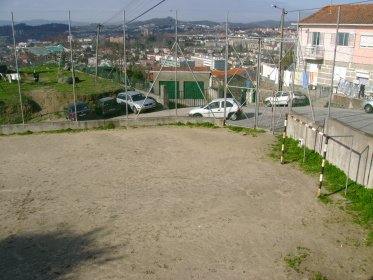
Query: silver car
{"points": [[136, 101], [368, 106]]}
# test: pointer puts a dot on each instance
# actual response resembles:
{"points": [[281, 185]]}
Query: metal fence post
{"points": [[283, 139], [323, 166]]}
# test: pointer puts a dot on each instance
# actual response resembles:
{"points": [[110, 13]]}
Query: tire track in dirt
{"points": [[23, 208]]}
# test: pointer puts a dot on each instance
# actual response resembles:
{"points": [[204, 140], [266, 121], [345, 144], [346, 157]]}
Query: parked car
{"points": [[107, 106], [82, 111], [216, 109], [136, 101], [282, 98], [368, 106]]}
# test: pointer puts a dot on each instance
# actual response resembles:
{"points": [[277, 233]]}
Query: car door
{"points": [[284, 100], [211, 109], [229, 108], [216, 109]]}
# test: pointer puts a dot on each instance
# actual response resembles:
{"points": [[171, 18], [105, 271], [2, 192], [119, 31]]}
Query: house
{"points": [[354, 51], [191, 86]]}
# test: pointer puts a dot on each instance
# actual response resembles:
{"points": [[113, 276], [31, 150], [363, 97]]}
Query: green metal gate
{"points": [[170, 88], [192, 90]]}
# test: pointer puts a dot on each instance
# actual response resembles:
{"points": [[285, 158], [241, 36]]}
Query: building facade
{"points": [[350, 52]]}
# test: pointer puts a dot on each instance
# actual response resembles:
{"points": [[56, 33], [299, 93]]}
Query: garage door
{"points": [[192, 90]]}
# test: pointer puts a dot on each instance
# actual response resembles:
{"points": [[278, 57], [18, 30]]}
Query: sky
{"points": [[107, 11]]}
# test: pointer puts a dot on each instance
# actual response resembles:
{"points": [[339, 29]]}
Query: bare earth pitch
{"points": [[166, 203]]}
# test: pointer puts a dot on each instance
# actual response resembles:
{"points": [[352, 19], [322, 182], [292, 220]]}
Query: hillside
{"points": [[49, 95]]}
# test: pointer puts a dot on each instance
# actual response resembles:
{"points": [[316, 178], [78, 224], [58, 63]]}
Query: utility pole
{"points": [[97, 40], [281, 47]]}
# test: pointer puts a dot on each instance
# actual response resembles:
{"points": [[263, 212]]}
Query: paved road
{"points": [[269, 120]]}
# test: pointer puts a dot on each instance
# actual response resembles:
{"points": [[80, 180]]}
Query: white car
{"points": [[282, 98], [216, 109], [136, 101]]}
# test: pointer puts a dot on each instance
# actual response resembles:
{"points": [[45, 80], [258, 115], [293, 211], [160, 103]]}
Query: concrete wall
{"points": [[361, 169], [53, 126], [362, 151]]}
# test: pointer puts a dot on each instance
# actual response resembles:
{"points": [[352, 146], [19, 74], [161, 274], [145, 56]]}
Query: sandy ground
{"points": [[166, 203]]}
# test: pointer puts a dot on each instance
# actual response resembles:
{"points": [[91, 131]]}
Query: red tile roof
{"points": [[350, 14], [230, 72]]}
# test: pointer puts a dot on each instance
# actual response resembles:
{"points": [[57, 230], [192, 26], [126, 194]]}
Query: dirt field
{"points": [[167, 203]]}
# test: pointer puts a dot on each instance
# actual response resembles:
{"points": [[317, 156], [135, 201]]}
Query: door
{"points": [[170, 89], [192, 90], [214, 110]]}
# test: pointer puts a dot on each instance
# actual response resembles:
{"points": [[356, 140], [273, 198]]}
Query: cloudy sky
{"points": [[111, 10]]}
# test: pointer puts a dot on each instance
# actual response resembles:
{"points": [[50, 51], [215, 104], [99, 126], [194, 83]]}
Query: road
{"points": [[270, 118]]}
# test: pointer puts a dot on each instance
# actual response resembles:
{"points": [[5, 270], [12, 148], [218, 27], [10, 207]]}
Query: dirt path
{"points": [[166, 203]]}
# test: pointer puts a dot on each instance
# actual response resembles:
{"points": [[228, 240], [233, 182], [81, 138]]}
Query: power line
{"points": [[310, 9], [148, 10]]}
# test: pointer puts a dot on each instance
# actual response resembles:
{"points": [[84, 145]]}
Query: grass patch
{"points": [[86, 89], [246, 131], [295, 261], [334, 182], [370, 239], [189, 124], [326, 199]]}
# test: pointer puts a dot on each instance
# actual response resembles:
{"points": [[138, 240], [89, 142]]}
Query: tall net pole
{"points": [[335, 54], [226, 68], [176, 46], [72, 66], [18, 76], [125, 61]]}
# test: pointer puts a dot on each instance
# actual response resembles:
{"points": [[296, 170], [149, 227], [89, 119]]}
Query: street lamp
{"points": [[283, 13]]}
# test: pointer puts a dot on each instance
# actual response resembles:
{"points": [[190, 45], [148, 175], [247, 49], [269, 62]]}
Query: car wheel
{"points": [[197, 115], [368, 109], [232, 116], [134, 110], [267, 104]]}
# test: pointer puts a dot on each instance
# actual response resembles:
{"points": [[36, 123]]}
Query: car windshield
{"points": [[81, 107], [138, 97]]}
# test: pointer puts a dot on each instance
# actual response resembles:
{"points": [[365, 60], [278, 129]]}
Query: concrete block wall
{"points": [[123, 122], [361, 169], [362, 151]]}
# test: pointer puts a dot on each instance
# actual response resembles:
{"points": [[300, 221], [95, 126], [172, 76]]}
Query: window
{"points": [[366, 41], [316, 38], [228, 104], [214, 105], [343, 39]]}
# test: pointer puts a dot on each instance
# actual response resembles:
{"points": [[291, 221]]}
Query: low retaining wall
{"points": [[53, 126], [344, 101], [338, 147]]}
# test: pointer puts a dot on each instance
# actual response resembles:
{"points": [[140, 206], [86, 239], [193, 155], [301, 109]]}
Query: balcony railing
{"points": [[314, 52]]}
